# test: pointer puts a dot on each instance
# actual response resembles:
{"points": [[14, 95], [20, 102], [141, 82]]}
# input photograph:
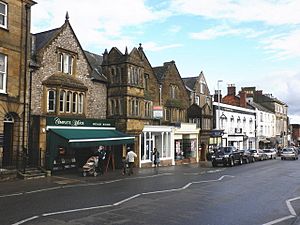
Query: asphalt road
{"points": [[264, 192]]}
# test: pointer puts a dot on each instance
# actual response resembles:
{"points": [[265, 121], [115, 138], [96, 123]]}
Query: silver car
{"points": [[288, 153]]}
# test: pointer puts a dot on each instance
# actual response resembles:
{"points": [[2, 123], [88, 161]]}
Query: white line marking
{"points": [[10, 195], [118, 203], [127, 199], [290, 208], [26, 220], [76, 210]]}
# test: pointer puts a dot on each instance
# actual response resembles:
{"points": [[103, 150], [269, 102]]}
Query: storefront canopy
{"points": [[91, 137]]}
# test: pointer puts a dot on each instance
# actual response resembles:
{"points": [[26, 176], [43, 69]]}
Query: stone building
{"points": [[147, 102], [200, 110], [68, 102], [15, 17]]}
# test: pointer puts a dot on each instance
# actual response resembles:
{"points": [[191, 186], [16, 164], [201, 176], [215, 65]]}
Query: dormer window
{"points": [[65, 63], [3, 15]]}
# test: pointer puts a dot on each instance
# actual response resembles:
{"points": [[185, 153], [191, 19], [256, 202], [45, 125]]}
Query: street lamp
{"points": [[218, 114]]}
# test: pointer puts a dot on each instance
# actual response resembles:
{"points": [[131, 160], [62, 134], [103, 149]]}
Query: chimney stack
{"points": [[231, 90]]}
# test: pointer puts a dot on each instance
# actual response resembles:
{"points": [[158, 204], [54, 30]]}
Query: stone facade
{"points": [[14, 53], [47, 77]]}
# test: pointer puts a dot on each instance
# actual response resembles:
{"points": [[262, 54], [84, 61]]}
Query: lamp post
{"points": [[218, 114]]}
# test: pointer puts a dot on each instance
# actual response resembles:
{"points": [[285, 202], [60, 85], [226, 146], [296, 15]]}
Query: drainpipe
{"points": [[25, 145]]}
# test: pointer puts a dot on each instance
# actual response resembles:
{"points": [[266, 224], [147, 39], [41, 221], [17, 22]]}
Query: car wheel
{"points": [[231, 162], [241, 161], [214, 164]]}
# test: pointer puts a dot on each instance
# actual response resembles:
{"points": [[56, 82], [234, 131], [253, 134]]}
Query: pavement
{"points": [[15, 185]]}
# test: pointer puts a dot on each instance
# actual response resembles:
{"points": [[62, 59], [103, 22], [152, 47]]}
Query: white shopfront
{"points": [[159, 137], [164, 138]]}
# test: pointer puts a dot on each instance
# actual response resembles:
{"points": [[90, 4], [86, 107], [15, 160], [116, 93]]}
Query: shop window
{"points": [[51, 101], [3, 15], [3, 75], [65, 63]]}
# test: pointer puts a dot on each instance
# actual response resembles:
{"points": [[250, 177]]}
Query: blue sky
{"points": [[242, 42]]}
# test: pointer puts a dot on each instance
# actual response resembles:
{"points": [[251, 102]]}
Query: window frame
{"points": [[65, 62], [5, 15], [62, 101], [4, 74], [52, 100]]}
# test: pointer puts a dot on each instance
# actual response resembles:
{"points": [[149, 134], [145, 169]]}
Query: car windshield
{"points": [[266, 150], [287, 150], [225, 149], [253, 151]]}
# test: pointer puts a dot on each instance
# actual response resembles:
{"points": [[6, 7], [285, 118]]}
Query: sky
{"points": [[241, 42]]}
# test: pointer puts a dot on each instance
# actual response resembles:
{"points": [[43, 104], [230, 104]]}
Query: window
{"points": [[197, 100], [148, 109], [51, 101], [62, 97], [74, 102], [173, 90], [80, 103], [65, 63], [202, 87], [146, 84], [3, 15], [3, 69], [68, 102]]}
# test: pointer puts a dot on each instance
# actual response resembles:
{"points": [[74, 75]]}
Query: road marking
{"points": [[290, 208], [120, 202], [26, 220], [82, 185]]}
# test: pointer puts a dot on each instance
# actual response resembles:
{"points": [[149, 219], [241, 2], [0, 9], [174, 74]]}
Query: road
{"points": [[266, 192]]}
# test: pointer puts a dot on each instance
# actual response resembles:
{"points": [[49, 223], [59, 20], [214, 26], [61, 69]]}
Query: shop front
{"points": [[161, 138], [70, 142]]}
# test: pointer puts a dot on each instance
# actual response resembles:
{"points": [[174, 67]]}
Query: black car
{"points": [[248, 157], [227, 156]]}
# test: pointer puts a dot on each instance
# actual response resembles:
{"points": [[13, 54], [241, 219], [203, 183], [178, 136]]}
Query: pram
{"points": [[90, 166]]}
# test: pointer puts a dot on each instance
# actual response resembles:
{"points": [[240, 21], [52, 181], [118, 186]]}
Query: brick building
{"points": [[14, 57], [295, 134]]}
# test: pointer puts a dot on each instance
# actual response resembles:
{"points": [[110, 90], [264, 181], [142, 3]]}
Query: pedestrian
{"points": [[130, 160], [156, 157], [101, 158]]}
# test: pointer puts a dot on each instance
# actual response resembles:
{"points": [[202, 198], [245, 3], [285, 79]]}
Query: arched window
{"points": [[51, 101]]}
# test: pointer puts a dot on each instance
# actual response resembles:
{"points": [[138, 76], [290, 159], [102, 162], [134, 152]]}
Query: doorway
{"points": [[8, 141]]}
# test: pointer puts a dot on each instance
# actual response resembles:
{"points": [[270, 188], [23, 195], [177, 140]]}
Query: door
{"points": [[8, 144]]}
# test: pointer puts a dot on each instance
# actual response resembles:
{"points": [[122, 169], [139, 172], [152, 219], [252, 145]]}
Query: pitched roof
{"points": [[190, 82], [41, 39], [260, 107], [159, 72], [95, 62]]}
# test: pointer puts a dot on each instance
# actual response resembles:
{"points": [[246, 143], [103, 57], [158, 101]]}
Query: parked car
{"points": [[227, 156], [289, 153], [247, 156], [256, 155], [271, 153]]}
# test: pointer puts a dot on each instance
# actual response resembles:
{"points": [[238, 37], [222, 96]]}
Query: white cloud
{"points": [[96, 22], [284, 85], [152, 46], [271, 12], [283, 46], [224, 30]]}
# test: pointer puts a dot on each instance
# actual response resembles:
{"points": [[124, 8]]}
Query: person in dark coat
{"points": [[102, 156], [156, 157]]}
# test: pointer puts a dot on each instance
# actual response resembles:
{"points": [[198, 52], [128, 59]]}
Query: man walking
{"points": [[130, 159]]}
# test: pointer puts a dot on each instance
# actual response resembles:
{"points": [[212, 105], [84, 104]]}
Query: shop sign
{"points": [[158, 112], [75, 122]]}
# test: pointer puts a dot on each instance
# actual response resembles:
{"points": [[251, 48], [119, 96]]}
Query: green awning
{"points": [[92, 137]]}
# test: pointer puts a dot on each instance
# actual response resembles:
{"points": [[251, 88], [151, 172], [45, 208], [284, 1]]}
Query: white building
{"points": [[265, 126], [238, 124]]}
